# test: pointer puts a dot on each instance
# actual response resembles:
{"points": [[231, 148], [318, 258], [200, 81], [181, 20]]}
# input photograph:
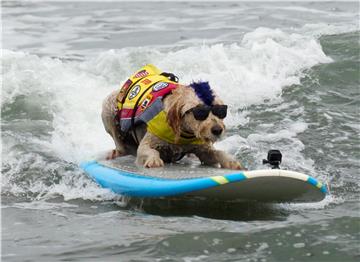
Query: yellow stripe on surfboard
{"points": [[319, 185], [220, 180]]}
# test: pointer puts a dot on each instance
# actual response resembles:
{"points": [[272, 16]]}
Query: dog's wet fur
{"points": [[152, 151]]}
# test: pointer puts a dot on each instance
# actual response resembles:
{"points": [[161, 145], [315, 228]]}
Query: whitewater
{"points": [[289, 73]]}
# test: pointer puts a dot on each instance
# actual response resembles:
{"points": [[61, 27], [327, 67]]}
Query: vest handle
{"points": [[171, 77]]}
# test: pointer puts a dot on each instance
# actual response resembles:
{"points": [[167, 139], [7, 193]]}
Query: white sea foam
{"points": [[43, 205], [285, 138], [320, 29], [232, 144], [329, 199]]}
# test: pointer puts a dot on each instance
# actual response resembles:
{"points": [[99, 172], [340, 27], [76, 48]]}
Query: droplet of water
{"points": [[299, 245], [231, 250]]}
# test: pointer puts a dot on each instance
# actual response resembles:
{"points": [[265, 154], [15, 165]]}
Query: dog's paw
{"points": [[112, 154], [232, 165], [153, 162]]}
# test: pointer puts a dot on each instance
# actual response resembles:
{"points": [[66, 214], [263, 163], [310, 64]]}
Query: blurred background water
{"points": [[288, 71]]}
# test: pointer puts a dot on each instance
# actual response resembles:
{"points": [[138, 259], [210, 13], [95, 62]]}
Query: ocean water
{"points": [[288, 71]]}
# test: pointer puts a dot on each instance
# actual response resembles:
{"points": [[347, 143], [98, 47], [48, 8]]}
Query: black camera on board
{"points": [[273, 158]]}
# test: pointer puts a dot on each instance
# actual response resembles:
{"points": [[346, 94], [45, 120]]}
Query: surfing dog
{"points": [[159, 120]]}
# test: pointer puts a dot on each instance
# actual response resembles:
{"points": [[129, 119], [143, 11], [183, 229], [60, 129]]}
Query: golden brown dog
{"points": [[180, 110]]}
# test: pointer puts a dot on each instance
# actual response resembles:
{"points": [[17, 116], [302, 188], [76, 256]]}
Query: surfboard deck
{"points": [[190, 179]]}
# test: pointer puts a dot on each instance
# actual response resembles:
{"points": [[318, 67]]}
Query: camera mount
{"points": [[273, 158]]}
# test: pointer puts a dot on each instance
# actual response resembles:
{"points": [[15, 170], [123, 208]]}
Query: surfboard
{"points": [[190, 179]]}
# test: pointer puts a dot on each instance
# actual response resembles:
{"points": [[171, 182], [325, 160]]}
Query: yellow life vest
{"points": [[140, 101]]}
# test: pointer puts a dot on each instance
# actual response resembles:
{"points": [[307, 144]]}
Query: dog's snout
{"points": [[216, 130]]}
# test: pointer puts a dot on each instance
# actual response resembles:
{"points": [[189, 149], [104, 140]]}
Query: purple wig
{"points": [[203, 91]]}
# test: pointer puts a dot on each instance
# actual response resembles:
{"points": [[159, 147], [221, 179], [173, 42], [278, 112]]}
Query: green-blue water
{"points": [[289, 73]]}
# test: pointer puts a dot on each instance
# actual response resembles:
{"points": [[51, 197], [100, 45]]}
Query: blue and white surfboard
{"points": [[122, 176]]}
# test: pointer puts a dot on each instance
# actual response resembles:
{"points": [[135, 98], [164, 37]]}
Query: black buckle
{"points": [[171, 76]]}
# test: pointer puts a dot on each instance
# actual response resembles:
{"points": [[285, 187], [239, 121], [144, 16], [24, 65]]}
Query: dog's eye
{"points": [[201, 112], [219, 110]]}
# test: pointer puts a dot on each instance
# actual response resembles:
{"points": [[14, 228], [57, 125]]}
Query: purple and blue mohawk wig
{"points": [[203, 91]]}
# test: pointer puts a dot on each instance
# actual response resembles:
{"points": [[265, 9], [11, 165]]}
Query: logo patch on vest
{"points": [[134, 92], [126, 84], [146, 102], [159, 86], [146, 81], [142, 73]]}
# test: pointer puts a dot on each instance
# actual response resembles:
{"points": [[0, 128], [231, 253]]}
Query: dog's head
{"points": [[196, 110]]}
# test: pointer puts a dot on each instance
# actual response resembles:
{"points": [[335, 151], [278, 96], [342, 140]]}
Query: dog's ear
{"points": [[174, 117]]}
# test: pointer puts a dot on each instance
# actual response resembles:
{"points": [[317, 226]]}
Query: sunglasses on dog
{"points": [[201, 112]]}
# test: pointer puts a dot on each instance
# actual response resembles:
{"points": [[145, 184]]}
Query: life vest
{"points": [[140, 101]]}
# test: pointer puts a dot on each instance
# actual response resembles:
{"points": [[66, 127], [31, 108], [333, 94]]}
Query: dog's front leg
{"points": [[107, 117], [210, 156], [227, 161], [146, 155]]}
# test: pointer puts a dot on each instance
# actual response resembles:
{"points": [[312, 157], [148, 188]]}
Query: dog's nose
{"points": [[216, 130]]}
